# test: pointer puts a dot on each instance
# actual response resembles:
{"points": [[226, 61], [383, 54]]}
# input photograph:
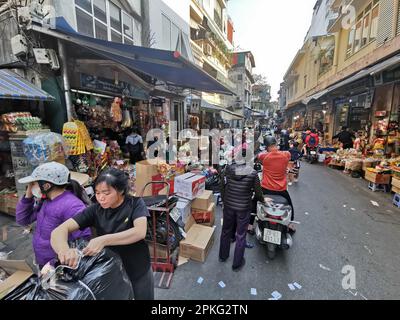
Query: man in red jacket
{"points": [[275, 164]]}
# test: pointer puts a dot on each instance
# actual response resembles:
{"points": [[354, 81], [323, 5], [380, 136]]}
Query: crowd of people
{"points": [[63, 212]]}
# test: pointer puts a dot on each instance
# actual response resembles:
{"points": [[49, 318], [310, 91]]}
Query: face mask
{"points": [[37, 193]]}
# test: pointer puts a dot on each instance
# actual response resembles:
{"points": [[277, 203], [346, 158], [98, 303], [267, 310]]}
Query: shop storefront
{"points": [[21, 114]]}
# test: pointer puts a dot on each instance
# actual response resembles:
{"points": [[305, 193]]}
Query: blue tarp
{"points": [[12, 86], [167, 66]]}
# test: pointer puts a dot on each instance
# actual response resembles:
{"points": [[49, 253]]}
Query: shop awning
{"points": [[13, 86], [167, 66], [379, 67], [217, 109]]}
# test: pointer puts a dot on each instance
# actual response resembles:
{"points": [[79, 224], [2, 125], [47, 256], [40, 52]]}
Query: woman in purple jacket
{"points": [[58, 198]]}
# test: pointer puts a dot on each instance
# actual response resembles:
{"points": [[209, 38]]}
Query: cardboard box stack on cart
{"points": [[194, 212]]}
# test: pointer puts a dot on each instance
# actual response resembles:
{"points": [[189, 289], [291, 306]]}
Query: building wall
{"points": [[343, 65], [177, 11]]}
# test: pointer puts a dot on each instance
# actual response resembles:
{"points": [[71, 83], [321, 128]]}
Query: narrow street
{"points": [[330, 235]]}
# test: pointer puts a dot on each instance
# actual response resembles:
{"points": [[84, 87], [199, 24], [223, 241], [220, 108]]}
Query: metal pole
{"points": [[63, 57]]}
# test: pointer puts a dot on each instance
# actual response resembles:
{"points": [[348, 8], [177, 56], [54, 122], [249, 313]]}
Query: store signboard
{"points": [[119, 88]]}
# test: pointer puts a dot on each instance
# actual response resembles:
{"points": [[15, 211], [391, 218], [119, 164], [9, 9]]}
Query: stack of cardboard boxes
{"points": [[199, 223]]}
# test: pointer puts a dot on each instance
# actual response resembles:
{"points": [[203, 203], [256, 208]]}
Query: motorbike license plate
{"points": [[313, 153], [272, 236]]}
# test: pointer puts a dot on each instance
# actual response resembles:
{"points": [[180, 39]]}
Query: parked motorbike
{"points": [[312, 154], [272, 224]]}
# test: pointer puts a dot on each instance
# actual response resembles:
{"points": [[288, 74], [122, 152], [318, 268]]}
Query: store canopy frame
{"points": [[14, 87], [168, 66]]}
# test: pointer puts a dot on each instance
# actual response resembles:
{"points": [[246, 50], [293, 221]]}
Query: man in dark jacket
{"points": [[345, 138], [238, 183]]}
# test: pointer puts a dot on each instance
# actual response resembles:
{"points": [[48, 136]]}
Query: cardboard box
{"points": [[198, 243], [161, 250], [205, 216], [157, 188], [145, 171], [189, 185], [189, 223], [203, 201], [378, 178], [19, 272], [396, 182]]}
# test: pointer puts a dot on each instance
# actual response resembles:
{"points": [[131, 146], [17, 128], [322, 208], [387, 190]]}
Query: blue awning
{"points": [[167, 66], [14, 87]]}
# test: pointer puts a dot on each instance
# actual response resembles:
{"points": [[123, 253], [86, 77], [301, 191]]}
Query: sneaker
{"points": [[290, 184], [222, 260], [251, 232], [237, 269]]}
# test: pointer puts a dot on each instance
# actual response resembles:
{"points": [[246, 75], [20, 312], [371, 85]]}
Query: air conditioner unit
{"points": [[47, 56], [208, 50], [19, 45], [54, 62]]}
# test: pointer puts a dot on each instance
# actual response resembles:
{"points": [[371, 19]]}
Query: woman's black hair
{"points": [[72, 186], [116, 179], [78, 191]]}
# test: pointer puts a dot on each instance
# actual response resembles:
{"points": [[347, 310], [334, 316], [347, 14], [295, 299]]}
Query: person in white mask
{"points": [[58, 198]]}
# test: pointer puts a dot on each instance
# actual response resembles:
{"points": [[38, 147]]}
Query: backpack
{"points": [[312, 142]]}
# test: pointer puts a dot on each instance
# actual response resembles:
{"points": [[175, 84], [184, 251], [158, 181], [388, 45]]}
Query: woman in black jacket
{"points": [[238, 184]]}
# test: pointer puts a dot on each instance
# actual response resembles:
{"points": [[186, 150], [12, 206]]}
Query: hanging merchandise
{"points": [[127, 123], [83, 131], [116, 112], [77, 137], [73, 138], [46, 147]]}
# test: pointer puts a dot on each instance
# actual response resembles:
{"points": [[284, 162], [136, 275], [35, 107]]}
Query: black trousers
{"points": [[284, 194]]}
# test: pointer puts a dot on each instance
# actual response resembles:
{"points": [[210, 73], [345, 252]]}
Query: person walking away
{"points": [[294, 163], [58, 198], [238, 183], [275, 164], [312, 140], [120, 222], [345, 137], [135, 146]]}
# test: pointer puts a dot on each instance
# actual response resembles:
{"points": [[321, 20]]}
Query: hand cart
{"points": [[163, 268]]}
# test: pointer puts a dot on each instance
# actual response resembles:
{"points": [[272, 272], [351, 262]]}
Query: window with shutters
{"points": [[385, 24], [365, 30], [374, 23]]}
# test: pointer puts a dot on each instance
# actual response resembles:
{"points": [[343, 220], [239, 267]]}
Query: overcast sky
{"points": [[273, 30]]}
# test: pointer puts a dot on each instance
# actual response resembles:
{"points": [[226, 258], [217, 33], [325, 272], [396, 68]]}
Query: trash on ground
{"points": [[276, 295], [200, 280], [182, 261], [291, 287], [297, 285], [324, 268], [222, 284], [253, 291], [376, 204], [368, 249]]}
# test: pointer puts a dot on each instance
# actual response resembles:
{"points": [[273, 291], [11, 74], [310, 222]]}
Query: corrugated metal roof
{"points": [[13, 86]]}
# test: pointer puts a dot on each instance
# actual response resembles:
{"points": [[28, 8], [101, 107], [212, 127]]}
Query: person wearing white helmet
{"points": [[58, 198]]}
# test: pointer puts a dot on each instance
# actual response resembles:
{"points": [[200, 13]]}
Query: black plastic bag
{"points": [[101, 277]]}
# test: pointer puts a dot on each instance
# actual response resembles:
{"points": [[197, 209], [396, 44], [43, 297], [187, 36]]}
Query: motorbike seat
{"points": [[277, 199]]}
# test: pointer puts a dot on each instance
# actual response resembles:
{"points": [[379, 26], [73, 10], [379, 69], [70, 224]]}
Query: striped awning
{"points": [[14, 87]]}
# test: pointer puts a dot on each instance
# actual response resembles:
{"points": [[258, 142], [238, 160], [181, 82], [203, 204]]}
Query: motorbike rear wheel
{"points": [[271, 251]]}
